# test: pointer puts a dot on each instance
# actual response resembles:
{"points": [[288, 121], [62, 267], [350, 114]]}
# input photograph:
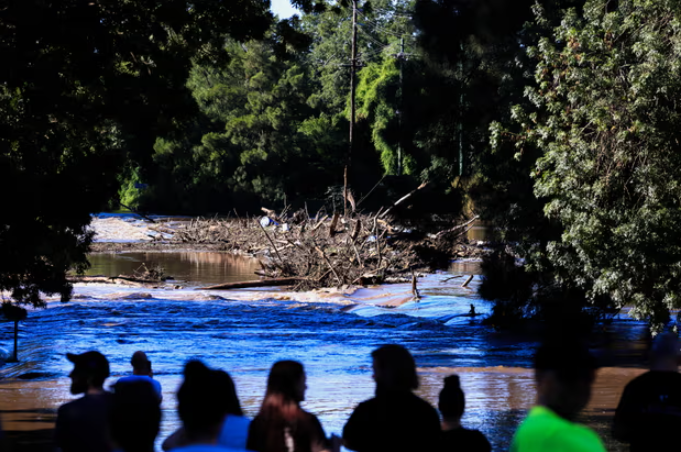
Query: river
{"points": [[331, 332]]}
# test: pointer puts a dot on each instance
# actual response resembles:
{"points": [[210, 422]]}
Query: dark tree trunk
{"points": [[16, 337]]}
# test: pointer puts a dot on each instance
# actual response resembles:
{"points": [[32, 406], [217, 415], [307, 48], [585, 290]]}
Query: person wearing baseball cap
{"points": [[82, 424], [141, 371]]}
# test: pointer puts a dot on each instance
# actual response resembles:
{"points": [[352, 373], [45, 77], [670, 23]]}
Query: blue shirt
{"points": [[154, 383]]}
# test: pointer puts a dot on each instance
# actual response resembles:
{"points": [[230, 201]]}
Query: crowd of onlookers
{"points": [[128, 417]]}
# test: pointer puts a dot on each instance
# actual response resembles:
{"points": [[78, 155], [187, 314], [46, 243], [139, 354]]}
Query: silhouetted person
{"points": [[564, 374], [206, 401], [282, 425], [82, 425], [455, 437], [649, 413], [141, 370], [396, 419], [135, 416]]}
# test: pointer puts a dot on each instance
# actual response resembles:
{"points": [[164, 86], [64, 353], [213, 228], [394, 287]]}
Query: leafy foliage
{"points": [[85, 83], [606, 117]]}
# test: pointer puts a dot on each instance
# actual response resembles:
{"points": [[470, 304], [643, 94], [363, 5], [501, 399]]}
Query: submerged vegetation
{"points": [[556, 121]]}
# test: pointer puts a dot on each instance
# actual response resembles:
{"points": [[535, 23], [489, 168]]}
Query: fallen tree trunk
{"points": [[403, 198], [119, 280], [251, 284], [457, 228]]}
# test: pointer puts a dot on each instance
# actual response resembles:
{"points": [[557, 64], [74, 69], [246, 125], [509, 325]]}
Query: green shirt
{"points": [[545, 431]]}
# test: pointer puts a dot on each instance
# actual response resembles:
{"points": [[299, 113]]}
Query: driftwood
{"points": [[404, 198], [251, 284], [150, 220], [120, 280], [468, 280], [328, 250], [458, 228]]}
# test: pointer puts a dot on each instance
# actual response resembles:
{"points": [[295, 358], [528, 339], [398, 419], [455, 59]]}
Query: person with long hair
{"points": [[396, 419], [282, 425], [210, 411], [452, 405]]}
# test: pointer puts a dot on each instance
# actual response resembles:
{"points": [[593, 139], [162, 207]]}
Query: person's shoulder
{"points": [[135, 378], [651, 378], [69, 406], [367, 405], [423, 405], [310, 418], [475, 440]]}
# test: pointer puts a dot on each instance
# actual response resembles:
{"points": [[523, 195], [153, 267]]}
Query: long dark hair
{"points": [[280, 411], [205, 398], [284, 380]]}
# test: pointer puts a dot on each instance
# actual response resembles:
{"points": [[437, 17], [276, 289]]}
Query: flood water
{"points": [[244, 332], [190, 267]]}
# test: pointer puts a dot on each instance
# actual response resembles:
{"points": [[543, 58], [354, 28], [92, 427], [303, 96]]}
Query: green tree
{"points": [[606, 119], [85, 85], [256, 144]]}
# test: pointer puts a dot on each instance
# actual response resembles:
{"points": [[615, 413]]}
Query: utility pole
{"points": [[353, 66], [401, 57], [461, 113]]}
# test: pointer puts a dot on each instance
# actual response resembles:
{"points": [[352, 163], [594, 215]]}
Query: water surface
{"points": [[331, 332]]}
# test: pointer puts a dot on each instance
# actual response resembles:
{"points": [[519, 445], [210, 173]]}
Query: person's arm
{"points": [[319, 441]]}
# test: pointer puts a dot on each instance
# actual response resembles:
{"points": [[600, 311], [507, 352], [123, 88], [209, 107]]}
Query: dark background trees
{"points": [[85, 87], [554, 120]]}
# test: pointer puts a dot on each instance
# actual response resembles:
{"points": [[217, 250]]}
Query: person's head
{"points": [[287, 379], [664, 355], [205, 398], [394, 369], [452, 402], [90, 369], [135, 416], [140, 363], [564, 372]]}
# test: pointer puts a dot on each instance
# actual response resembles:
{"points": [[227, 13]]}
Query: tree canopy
{"points": [[86, 86], [556, 118]]}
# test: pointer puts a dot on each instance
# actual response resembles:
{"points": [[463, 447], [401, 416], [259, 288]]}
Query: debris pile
{"points": [[332, 250]]}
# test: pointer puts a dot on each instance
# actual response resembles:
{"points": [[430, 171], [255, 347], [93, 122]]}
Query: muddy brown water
{"points": [[244, 332], [192, 267]]}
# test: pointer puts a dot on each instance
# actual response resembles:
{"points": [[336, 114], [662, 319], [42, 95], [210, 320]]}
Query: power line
{"points": [[380, 28]]}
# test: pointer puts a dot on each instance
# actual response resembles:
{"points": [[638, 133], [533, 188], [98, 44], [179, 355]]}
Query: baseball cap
{"points": [[93, 363]]}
